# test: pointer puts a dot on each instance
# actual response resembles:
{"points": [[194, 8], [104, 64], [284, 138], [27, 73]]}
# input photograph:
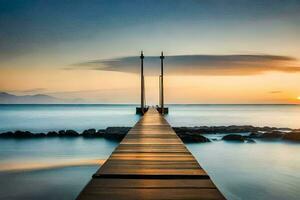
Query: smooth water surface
{"points": [[219, 115], [34, 168], [43, 118], [264, 170], [49, 168]]}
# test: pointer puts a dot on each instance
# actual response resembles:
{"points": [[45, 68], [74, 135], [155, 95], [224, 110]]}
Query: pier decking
{"points": [[151, 162]]}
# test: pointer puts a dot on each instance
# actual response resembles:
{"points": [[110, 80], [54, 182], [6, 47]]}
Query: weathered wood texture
{"points": [[151, 162]]}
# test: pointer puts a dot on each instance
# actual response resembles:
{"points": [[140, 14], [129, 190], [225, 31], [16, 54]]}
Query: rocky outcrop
{"points": [[68, 133], [249, 140], [274, 134], [234, 137], [52, 134], [112, 133], [92, 133], [226, 129], [187, 134], [292, 136], [116, 133], [192, 138]]}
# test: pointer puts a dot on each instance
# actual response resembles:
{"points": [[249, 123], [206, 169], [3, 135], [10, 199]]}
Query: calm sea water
{"points": [[34, 168]]}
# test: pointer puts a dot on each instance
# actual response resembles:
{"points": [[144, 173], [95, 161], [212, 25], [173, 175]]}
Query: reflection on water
{"points": [[34, 168], [51, 184], [17, 166], [264, 170], [43, 118], [218, 115]]}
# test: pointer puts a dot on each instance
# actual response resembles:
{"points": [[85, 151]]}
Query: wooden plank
{"points": [[151, 162]]}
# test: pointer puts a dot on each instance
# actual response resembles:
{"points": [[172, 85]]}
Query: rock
{"points": [[100, 133], [68, 133], [91, 133], [254, 134], [39, 135], [116, 133], [250, 140], [71, 133], [23, 134], [192, 138], [234, 137], [52, 134], [271, 135], [8, 134], [292, 136], [61, 133], [117, 130], [216, 129]]}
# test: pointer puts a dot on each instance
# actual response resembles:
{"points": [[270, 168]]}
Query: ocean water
{"points": [[34, 168], [43, 118]]}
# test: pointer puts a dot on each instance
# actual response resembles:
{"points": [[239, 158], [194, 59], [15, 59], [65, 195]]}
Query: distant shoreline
{"points": [[187, 134]]}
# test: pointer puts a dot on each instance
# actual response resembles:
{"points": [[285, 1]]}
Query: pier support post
{"points": [[161, 107], [141, 110]]}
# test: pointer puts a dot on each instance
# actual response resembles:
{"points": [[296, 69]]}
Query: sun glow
{"points": [[298, 97]]}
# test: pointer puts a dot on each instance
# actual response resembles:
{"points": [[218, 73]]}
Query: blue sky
{"points": [[39, 25], [41, 36]]}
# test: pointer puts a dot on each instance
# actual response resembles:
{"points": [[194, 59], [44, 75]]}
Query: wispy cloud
{"points": [[197, 64], [28, 91]]}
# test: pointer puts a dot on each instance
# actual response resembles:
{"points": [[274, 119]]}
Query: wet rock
{"points": [[227, 129], [89, 132], [274, 134], [23, 134], [52, 134], [255, 134], [116, 133], [292, 136], [92, 133], [61, 133], [271, 135], [67, 133], [117, 130], [8, 134], [234, 137], [192, 138], [216, 129], [39, 135], [71, 133], [100, 133], [250, 140]]}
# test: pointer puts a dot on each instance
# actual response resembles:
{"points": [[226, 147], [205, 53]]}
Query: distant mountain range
{"points": [[6, 98]]}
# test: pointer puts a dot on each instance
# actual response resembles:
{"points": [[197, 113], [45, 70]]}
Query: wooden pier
{"points": [[151, 162]]}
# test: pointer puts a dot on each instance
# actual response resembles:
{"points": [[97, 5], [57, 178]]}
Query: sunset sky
{"points": [[235, 51]]}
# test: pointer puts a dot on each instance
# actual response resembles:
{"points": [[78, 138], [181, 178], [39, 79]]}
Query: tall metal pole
{"points": [[162, 81], [142, 82]]}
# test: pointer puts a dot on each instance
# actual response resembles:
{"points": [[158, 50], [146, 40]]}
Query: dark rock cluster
{"points": [[112, 133], [274, 134], [227, 129], [187, 134], [292, 136], [192, 137], [234, 137]]}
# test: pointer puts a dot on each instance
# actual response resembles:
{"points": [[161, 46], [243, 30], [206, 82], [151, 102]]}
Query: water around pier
{"points": [[33, 168]]}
